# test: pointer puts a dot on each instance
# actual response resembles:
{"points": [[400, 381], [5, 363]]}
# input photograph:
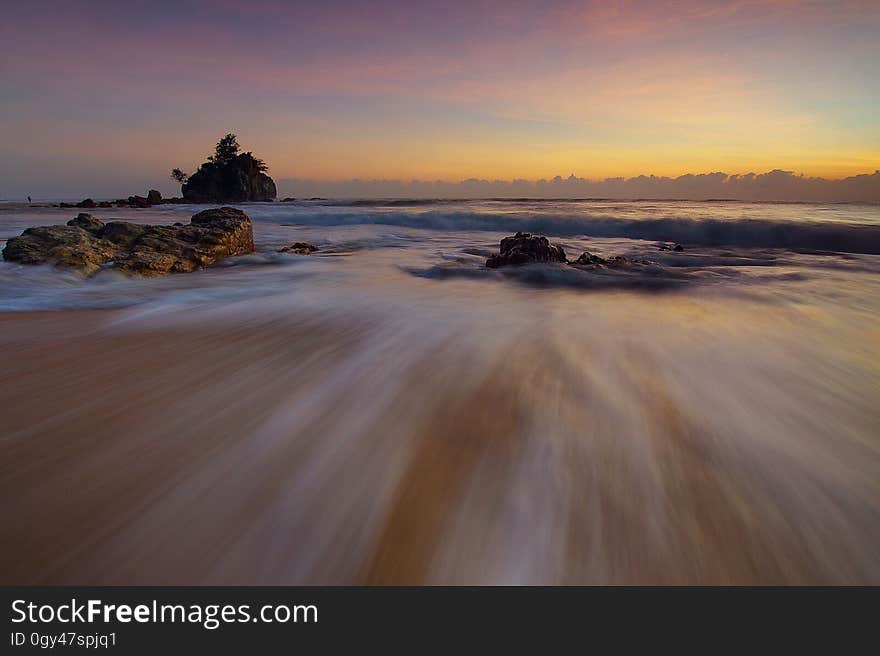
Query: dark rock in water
{"points": [[525, 248], [588, 259], [153, 197], [288, 199], [237, 181], [88, 204], [672, 247], [621, 262], [88, 244], [299, 248], [105, 204]]}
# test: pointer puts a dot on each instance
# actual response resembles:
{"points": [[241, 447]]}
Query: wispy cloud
{"points": [[488, 88]]}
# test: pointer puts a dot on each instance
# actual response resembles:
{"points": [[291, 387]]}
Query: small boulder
{"points": [[621, 262], [299, 248], [588, 259], [154, 197], [88, 203], [678, 248], [525, 248]]}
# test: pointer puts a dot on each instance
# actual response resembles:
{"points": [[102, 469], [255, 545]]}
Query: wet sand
{"points": [[293, 448]]}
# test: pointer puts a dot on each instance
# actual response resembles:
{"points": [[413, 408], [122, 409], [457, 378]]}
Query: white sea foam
{"points": [[442, 240]]}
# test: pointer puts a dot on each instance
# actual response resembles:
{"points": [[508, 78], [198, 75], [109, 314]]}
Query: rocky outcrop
{"points": [[299, 248], [152, 198], [239, 180], [88, 244], [589, 261], [87, 204], [139, 201], [66, 246], [525, 248]]}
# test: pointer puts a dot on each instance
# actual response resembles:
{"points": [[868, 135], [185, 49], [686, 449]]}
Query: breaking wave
{"points": [[751, 233]]}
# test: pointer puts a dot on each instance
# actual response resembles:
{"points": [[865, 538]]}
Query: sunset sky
{"points": [[106, 97]]}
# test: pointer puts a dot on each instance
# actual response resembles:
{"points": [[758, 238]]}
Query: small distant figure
{"points": [[29, 200]]}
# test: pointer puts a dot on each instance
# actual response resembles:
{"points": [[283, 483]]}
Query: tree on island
{"points": [[229, 176], [226, 150], [179, 176]]}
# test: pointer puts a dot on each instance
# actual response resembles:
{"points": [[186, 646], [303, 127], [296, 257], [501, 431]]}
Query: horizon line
{"points": [[575, 178], [773, 185]]}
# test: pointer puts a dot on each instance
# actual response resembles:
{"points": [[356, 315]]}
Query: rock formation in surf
{"points": [[153, 197], [88, 244], [299, 248], [588, 260], [525, 248], [229, 176]]}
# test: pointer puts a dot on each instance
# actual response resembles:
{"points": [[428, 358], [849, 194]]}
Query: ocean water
{"points": [[743, 247], [404, 414]]}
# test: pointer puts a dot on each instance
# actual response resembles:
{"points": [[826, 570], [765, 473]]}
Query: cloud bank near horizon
{"points": [[776, 185]]}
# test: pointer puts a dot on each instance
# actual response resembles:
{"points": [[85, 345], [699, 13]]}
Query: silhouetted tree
{"points": [[179, 176], [258, 163], [226, 150]]}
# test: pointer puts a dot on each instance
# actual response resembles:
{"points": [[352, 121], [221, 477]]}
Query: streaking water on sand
{"points": [[388, 410]]}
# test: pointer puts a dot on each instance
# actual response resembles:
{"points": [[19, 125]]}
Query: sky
{"points": [[103, 98]]}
